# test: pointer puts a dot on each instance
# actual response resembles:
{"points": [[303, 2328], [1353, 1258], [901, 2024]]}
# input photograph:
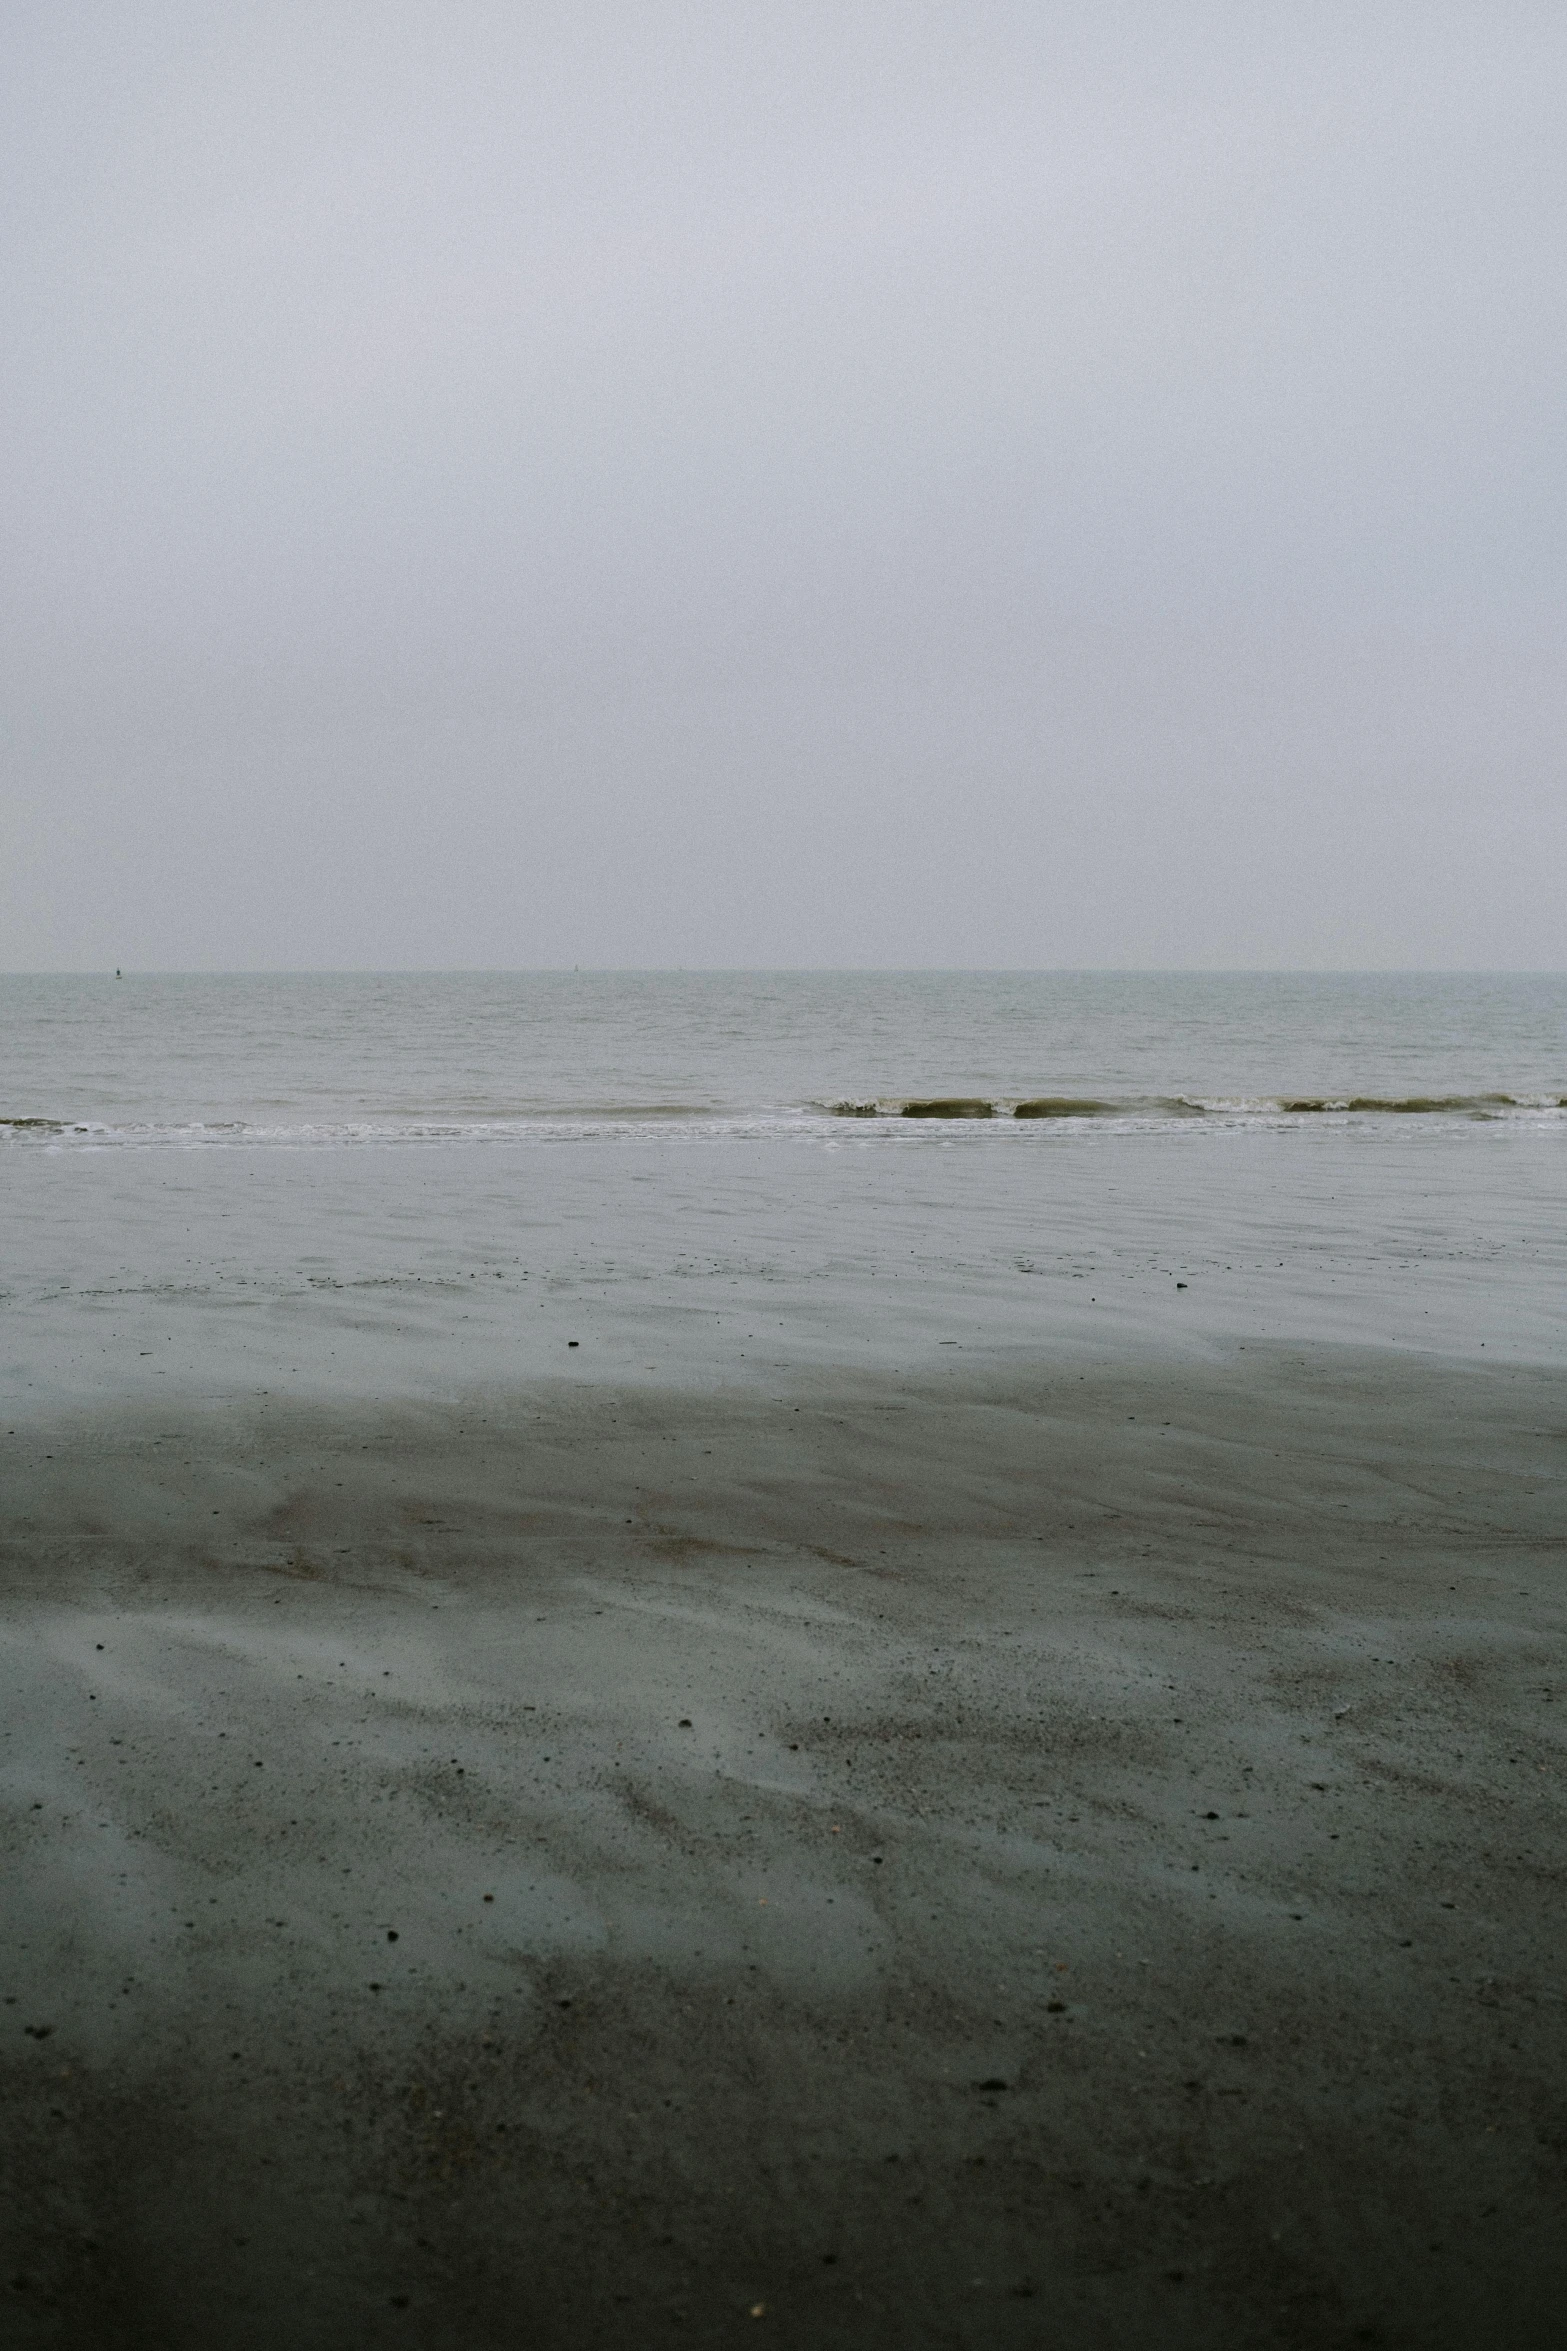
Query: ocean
{"points": [[324, 1060], [418, 1183]]}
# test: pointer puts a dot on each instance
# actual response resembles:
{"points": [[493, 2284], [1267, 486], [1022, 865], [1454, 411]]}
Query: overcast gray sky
{"points": [[783, 484]]}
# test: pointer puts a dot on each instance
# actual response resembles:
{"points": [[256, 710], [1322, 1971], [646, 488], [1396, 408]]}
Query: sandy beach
{"points": [[1025, 1853]]}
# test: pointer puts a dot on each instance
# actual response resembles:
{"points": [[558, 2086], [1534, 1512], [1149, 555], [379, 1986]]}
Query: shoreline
{"points": [[1036, 1824]]}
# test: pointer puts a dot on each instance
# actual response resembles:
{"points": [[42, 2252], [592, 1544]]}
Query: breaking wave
{"points": [[889, 1116], [1178, 1106]]}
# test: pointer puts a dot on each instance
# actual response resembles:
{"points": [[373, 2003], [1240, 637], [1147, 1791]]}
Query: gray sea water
{"points": [[313, 1060], [418, 1184]]}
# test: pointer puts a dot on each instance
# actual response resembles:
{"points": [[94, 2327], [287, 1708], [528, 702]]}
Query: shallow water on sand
{"points": [[388, 1272]]}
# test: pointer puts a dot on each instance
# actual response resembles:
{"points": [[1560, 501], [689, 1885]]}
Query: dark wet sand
{"points": [[1109, 1892]]}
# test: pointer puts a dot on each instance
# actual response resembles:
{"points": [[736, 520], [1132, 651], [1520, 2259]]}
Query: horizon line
{"points": [[792, 971]]}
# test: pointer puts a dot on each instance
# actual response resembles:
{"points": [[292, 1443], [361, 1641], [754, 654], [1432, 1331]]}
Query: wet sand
{"points": [[1025, 1854]]}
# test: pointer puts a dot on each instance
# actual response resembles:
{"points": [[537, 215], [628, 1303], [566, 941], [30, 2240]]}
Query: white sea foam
{"points": [[889, 1125]]}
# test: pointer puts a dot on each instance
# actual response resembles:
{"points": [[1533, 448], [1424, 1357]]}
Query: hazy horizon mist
{"points": [[871, 487]]}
